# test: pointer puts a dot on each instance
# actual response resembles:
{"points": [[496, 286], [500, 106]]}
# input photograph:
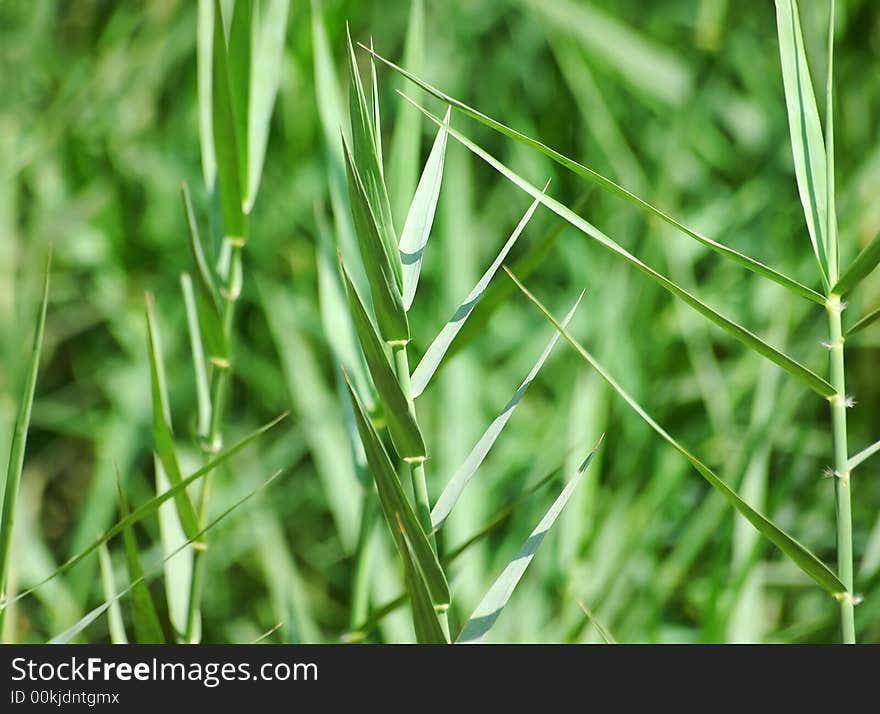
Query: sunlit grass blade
{"points": [[147, 629], [179, 571], [206, 295], [19, 440], [456, 485], [200, 370], [368, 161], [269, 28], [606, 636], [861, 268], [108, 585], [807, 143], [607, 184], [420, 218], [204, 69], [428, 629], [226, 151], [797, 370], [433, 356], [799, 554], [378, 263], [864, 322], [490, 607], [92, 615], [396, 505], [377, 117], [863, 455], [150, 507], [402, 426], [163, 435]]}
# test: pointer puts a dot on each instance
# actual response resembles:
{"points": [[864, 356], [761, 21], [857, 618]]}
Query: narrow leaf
{"points": [[226, 150], [864, 322], [179, 571], [147, 629], [864, 454], [427, 626], [433, 356], [800, 372], [402, 426], [861, 268], [453, 490], [203, 390], [802, 557], [396, 505], [807, 144], [108, 584], [609, 185], [147, 509], [163, 435], [239, 65], [378, 263], [606, 636], [19, 437], [420, 218], [204, 74], [496, 598], [270, 29]]}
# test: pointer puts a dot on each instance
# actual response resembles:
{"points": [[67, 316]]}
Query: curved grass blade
{"points": [[797, 370], [378, 263], [147, 629], [605, 183], [453, 490], [807, 144], [90, 617], [420, 218], [402, 426], [19, 438], [433, 356], [108, 584], [396, 505], [226, 151], [861, 268], [203, 389], [270, 29], [368, 159], [493, 602], [162, 432], [206, 303], [148, 508], [864, 322], [802, 557]]}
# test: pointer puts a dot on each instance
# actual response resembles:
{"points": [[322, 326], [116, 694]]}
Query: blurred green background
{"points": [[679, 101]]}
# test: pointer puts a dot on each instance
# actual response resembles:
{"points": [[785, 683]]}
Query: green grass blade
{"points": [[162, 431], [179, 571], [90, 617], [226, 151], [377, 118], [493, 602], [239, 59], [864, 454], [427, 626], [206, 302], [807, 144], [802, 557], [402, 426], [606, 636], [831, 227], [420, 218], [19, 438], [406, 139], [203, 389], [607, 184], [270, 29], [864, 322], [147, 629], [369, 163], [204, 70], [108, 584], [433, 356], [378, 263], [456, 485], [396, 505], [861, 268], [150, 507], [797, 370]]}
